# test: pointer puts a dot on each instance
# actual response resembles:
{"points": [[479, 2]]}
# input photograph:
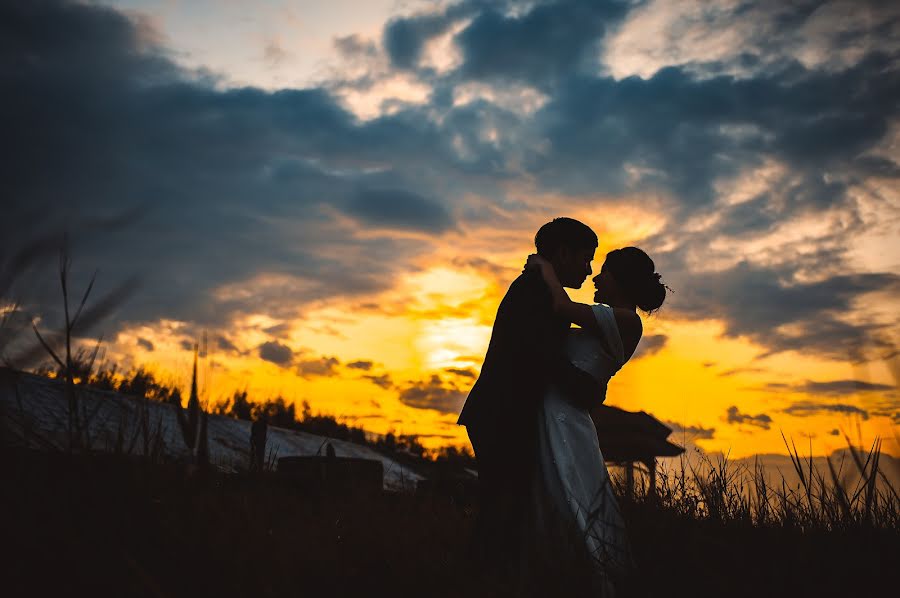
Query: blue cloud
{"points": [[540, 46], [399, 209]]}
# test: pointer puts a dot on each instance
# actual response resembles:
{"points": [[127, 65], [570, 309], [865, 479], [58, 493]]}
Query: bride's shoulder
{"points": [[625, 318]]}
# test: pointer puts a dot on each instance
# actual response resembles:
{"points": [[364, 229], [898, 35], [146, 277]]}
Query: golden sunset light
{"points": [[477, 298]]}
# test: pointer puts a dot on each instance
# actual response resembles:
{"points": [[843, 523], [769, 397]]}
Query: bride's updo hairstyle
{"points": [[636, 274]]}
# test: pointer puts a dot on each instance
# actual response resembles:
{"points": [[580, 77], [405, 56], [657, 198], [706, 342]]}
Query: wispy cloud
{"points": [[831, 388], [650, 344], [691, 432], [760, 420], [807, 408]]}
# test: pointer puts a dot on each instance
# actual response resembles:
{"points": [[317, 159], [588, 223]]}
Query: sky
{"points": [[337, 195]]}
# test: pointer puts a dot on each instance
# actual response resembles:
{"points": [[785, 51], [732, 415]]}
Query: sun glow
{"points": [[443, 342]]}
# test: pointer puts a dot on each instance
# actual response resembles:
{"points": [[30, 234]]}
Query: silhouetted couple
{"points": [[547, 507]]}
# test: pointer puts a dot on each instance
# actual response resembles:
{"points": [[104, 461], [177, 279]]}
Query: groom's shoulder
{"points": [[523, 284], [528, 287]]}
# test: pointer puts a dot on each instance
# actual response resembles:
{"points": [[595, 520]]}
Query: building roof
{"points": [[34, 413], [628, 436]]}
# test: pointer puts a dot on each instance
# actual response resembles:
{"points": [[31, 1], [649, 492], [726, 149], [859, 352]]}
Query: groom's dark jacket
{"points": [[525, 354]]}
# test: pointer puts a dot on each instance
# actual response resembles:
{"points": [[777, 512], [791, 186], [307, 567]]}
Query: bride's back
{"points": [[601, 355]]}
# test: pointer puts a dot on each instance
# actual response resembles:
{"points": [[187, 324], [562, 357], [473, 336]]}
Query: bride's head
{"points": [[627, 278]]}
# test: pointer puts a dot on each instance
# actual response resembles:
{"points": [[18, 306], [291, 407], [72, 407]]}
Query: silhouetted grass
{"points": [[117, 525]]}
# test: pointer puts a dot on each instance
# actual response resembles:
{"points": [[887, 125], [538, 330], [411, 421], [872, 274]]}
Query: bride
{"points": [[574, 499]]}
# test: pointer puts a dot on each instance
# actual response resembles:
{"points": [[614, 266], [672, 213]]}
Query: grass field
{"points": [[103, 525]]}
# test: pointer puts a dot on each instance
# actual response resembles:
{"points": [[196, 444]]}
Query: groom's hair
{"points": [[564, 232]]}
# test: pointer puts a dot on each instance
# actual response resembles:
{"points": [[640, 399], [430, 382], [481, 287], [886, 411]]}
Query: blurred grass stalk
{"points": [[76, 324], [723, 492]]}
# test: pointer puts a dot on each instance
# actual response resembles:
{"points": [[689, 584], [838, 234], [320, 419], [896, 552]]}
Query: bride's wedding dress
{"points": [[575, 497]]}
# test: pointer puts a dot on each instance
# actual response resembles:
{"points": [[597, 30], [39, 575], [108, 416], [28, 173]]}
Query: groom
{"points": [[525, 354]]}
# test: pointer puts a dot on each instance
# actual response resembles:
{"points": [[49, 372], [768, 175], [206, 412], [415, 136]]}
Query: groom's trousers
{"points": [[504, 476]]}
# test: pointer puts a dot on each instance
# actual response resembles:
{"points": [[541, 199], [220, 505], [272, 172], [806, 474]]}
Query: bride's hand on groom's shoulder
{"points": [[535, 262]]}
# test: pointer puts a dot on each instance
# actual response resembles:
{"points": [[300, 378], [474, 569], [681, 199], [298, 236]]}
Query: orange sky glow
{"points": [[436, 321], [337, 195]]}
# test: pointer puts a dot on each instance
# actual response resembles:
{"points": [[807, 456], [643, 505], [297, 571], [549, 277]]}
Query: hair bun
{"points": [[636, 272]]}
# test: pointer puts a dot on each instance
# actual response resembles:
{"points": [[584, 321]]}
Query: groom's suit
{"points": [[526, 353]]}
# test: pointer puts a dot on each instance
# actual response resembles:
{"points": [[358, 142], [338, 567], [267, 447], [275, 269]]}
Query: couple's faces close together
{"points": [[574, 266]]}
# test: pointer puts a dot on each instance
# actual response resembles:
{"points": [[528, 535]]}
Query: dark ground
{"points": [[102, 526]]}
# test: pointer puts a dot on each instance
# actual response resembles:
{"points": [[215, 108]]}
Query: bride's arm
{"points": [[577, 313]]}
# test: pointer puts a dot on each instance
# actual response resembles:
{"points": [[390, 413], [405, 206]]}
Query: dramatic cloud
{"points": [[760, 420], [546, 43], [761, 135], [759, 303], [805, 408], [399, 209], [234, 187], [276, 353], [433, 393]]}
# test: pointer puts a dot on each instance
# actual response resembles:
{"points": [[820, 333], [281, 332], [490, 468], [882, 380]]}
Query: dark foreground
{"points": [[108, 527]]}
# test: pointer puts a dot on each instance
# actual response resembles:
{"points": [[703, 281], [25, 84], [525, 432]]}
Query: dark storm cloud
{"points": [[540, 46], [142, 342], [760, 420], [405, 38], [805, 408], [230, 183], [686, 133], [276, 353], [399, 209], [432, 393], [765, 304]]}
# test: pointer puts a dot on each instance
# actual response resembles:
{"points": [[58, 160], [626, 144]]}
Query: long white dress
{"points": [[573, 484]]}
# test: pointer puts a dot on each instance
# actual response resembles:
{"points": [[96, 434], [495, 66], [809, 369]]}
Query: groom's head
{"points": [[569, 245]]}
